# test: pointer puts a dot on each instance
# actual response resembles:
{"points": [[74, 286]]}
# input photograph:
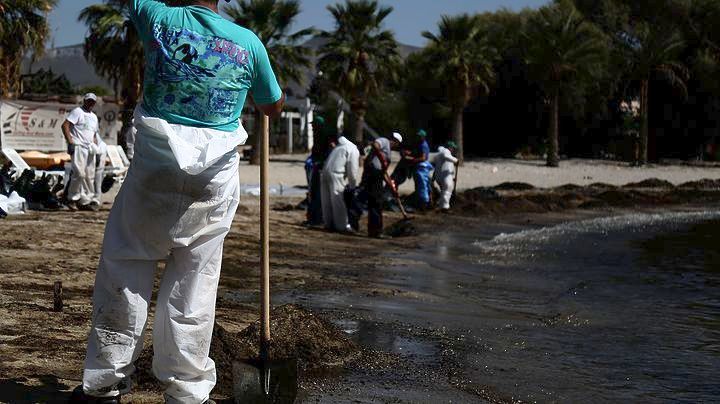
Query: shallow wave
{"points": [[526, 243]]}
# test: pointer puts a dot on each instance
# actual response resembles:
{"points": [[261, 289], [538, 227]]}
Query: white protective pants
{"points": [[82, 175], [99, 176], [446, 180], [161, 212], [332, 188]]}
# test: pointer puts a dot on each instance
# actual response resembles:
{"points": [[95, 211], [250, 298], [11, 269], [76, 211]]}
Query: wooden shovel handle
{"points": [[395, 193], [265, 229]]}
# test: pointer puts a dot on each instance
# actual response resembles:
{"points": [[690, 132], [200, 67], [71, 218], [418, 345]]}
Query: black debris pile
{"points": [[41, 193]]}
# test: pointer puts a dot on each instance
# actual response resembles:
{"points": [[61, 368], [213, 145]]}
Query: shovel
{"points": [[396, 195], [265, 379], [454, 192]]}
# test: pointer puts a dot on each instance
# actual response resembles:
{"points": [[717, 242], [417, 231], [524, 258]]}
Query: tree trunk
{"points": [[457, 134], [643, 155], [359, 135], [5, 79], [132, 82], [553, 155]]}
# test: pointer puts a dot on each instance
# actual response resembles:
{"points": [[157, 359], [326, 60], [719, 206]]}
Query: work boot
{"points": [[91, 207], [79, 397]]}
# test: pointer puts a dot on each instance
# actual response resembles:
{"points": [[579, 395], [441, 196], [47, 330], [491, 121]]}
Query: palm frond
{"points": [[271, 20]]}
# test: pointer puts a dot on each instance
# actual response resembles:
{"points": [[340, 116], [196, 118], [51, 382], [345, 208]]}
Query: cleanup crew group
{"points": [[181, 193], [337, 191]]}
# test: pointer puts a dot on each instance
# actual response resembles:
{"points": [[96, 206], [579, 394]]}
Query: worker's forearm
{"points": [[383, 161], [421, 159], [66, 132], [392, 185], [273, 110]]}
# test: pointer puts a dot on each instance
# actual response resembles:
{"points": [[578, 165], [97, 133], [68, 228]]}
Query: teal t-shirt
{"points": [[199, 67]]}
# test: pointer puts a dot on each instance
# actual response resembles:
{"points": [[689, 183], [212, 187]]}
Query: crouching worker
{"points": [[341, 170], [177, 202], [446, 164]]}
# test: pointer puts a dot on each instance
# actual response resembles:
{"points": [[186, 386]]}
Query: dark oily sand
{"points": [[602, 185], [402, 228], [622, 197], [481, 193], [286, 207], [569, 187], [701, 184], [650, 183], [652, 192], [296, 333], [514, 186]]}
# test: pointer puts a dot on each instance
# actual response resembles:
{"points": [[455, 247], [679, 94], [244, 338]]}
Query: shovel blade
{"points": [[265, 382]]}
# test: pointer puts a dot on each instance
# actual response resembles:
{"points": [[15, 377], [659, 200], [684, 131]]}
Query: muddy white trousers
{"points": [[332, 187], [446, 179], [161, 212], [99, 175], [82, 175]]}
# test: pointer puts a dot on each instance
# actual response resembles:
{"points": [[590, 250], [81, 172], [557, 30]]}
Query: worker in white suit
{"points": [[177, 202], [341, 170], [80, 130], [445, 168]]}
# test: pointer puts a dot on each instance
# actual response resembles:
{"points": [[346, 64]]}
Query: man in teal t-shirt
{"points": [[177, 202], [200, 66]]}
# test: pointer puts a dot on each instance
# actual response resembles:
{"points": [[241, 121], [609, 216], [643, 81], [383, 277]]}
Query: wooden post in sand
{"points": [[57, 296]]}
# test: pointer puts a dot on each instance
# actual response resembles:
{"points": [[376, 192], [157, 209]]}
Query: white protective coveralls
{"points": [[82, 174], [100, 160], [343, 164], [445, 175], [130, 135], [177, 203]]}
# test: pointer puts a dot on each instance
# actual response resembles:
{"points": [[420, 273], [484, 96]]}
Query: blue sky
{"points": [[409, 19]]}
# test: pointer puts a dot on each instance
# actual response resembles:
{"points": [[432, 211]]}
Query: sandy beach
{"points": [[288, 170], [344, 278]]}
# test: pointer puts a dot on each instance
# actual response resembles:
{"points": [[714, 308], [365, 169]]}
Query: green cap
{"points": [[318, 120], [452, 145], [422, 133]]}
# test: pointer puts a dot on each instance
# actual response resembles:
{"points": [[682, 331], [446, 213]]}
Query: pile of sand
{"points": [[296, 332]]}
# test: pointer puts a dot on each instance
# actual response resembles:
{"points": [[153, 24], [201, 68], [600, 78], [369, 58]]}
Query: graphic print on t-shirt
{"points": [[181, 58]]}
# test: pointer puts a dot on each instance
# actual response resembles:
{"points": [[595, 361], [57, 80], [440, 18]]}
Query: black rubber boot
{"points": [[78, 396]]}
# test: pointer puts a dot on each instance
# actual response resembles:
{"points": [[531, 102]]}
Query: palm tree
{"points": [[114, 48], [462, 58], [562, 48], [359, 57], [653, 53], [271, 21], [23, 27]]}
